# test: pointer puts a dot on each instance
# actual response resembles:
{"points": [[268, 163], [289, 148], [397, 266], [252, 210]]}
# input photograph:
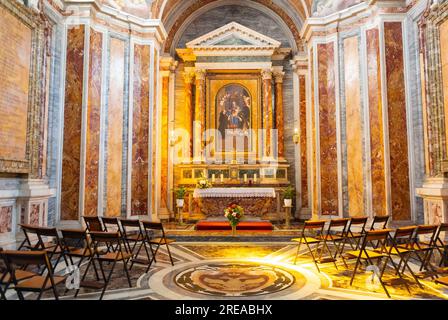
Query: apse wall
{"points": [[262, 23]]}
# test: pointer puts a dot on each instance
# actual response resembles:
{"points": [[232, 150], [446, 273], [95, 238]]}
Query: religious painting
{"points": [[233, 116], [233, 103]]}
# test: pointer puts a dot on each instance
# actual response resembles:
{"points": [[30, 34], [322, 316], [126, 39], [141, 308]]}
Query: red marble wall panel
{"points": [[72, 124], [140, 131], [315, 194], [376, 123], [5, 219], [353, 123], [155, 142], [396, 108], [115, 128], [303, 145], [34, 214], [93, 124], [165, 146], [327, 129]]}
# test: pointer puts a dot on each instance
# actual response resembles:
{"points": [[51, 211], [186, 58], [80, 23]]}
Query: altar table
{"points": [[257, 202]]}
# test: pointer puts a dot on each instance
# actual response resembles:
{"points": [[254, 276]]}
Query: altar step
{"points": [[244, 225]]}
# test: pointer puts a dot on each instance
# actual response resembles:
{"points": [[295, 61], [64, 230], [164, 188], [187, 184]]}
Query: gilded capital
{"points": [[278, 76], [266, 74], [200, 74], [188, 77]]}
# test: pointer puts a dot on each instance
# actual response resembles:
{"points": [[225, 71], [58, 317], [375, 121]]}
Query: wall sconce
{"points": [[296, 136], [172, 139]]}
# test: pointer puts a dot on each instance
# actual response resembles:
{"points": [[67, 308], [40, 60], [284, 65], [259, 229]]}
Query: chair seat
{"points": [[394, 251], [443, 281], [161, 241], [78, 252], [135, 237], [372, 254], [331, 237], [111, 256], [20, 275], [308, 239], [37, 282]]}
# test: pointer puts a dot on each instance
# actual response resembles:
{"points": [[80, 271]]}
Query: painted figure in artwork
{"points": [[233, 110]]}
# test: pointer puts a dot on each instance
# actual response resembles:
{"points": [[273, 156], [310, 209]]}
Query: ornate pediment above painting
{"points": [[22, 70]]}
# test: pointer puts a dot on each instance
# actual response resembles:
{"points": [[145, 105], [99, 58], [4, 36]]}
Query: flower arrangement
{"points": [[203, 184], [234, 213]]}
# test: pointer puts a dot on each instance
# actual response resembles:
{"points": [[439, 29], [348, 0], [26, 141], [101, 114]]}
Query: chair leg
{"points": [[312, 255], [354, 270], [108, 279], [125, 267], [298, 250], [169, 253]]}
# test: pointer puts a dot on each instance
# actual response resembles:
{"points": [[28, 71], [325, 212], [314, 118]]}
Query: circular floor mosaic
{"points": [[227, 279], [234, 279]]}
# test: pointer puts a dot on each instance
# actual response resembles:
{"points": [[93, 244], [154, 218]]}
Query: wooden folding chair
{"points": [[335, 234], [37, 283], [93, 223], [155, 235], [31, 240], [423, 249], [442, 281], [76, 244], [355, 230], [441, 245], [110, 240], [5, 276], [133, 233], [379, 222], [368, 256], [111, 224], [55, 250], [316, 227], [401, 246]]}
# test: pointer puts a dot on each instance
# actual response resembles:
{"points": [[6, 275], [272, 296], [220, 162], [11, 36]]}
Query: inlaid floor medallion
{"points": [[235, 279]]}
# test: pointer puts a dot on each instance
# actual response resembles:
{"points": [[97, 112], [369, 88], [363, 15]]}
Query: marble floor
{"points": [[246, 270]]}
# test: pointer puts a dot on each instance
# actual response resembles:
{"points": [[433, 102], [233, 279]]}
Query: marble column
{"points": [[199, 115], [266, 76], [188, 111], [278, 79]]}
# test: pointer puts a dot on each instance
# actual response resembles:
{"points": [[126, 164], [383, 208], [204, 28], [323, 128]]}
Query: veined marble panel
{"points": [[327, 129], [6, 219], [154, 143], [353, 117], [72, 123], [396, 100], [376, 123], [313, 140], [140, 131], [93, 124], [164, 141], [443, 31], [115, 127], [303, 139]]}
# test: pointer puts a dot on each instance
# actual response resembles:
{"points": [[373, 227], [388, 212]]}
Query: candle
{"points": [[245, 177], [222, 177], [255, 177], [213, 177]]}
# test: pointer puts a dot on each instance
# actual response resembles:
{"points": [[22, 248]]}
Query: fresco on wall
{"points": [[138, 8], [323, 8]]}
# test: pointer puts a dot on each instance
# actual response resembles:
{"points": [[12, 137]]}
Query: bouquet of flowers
{"points": [[203, 184], [234, 213]]}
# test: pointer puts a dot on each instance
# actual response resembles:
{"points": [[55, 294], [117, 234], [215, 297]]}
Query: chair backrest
{"points": [[105, 237], [426, 229], [381, 221], [405, 232], [26, 258], [359, 222], [130, 223], [152, 225], [439, 237], [74, 234], [93, 223], [377, 235], [342, 222], [111, 224]]}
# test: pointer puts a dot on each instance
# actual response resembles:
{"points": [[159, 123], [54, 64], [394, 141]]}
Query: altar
{"points": [[259, 202]]}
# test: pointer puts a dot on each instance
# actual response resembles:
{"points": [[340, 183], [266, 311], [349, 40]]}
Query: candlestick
{"points": [[213, 177], [255, 177], [222, 177], [245, 177]]}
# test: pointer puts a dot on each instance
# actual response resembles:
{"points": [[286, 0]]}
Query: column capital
{"points": [[200, 74], [266, 74], [188, 77], [278, 74], [299, 63]]}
